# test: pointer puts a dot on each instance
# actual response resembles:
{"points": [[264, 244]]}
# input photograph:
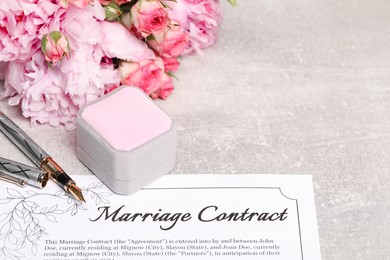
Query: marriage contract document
{"points": [[200, 216]]}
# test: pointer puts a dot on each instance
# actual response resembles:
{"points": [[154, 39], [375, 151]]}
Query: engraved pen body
{"points": [[24, 173], [38, 156]]}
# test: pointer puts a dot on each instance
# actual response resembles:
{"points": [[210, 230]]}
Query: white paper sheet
{"points": [[177, 217]]}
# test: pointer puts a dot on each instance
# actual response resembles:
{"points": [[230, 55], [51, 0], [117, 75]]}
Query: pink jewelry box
{"points": [[126, 140]]}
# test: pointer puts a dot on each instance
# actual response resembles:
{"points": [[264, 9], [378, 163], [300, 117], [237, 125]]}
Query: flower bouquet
{"points": [[58, 55]]}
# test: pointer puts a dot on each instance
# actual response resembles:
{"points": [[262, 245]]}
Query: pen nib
{"points": [[76, 192]]}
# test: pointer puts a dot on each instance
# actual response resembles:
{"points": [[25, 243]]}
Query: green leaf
{"points": [[125, 20], [55, 35], [110, 16], [166, 6], [127, 6], [170, 74], [112, 11], [49, 65], [233, 2], [43, 43], [151, 38]]}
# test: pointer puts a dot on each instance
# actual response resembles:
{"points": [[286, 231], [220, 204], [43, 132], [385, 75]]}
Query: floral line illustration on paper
{"points": [[23, 225]]}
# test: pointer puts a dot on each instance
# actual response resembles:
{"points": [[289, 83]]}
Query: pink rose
{"points": [[170, 43], [146, 74], [105, 2], [203, 20], [166, 87], [170, 64], [79, 3], [55, 46], [120, 2], [149, 16], [195, 1]]}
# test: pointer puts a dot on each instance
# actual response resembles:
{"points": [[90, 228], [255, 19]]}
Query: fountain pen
{"points": [[38, 156]]}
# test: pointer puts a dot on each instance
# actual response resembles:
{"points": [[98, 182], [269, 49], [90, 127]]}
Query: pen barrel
{"points": [[30, 175], [31, 149], [56, 172]]}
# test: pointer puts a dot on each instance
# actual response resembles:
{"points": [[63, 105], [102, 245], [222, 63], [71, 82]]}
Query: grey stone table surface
{"points": [[291, 87]]}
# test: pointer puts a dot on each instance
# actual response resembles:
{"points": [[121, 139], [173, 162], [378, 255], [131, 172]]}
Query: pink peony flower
{"points": [[115, 37], [86, 78], [82, 26], [39, 91], [79, 3], [178, 11], [171, 42], [22, 24], [3, 68], [109, 75], [55, 95], [149, 16], [146, 74], [55, 46], [120, 2]]}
